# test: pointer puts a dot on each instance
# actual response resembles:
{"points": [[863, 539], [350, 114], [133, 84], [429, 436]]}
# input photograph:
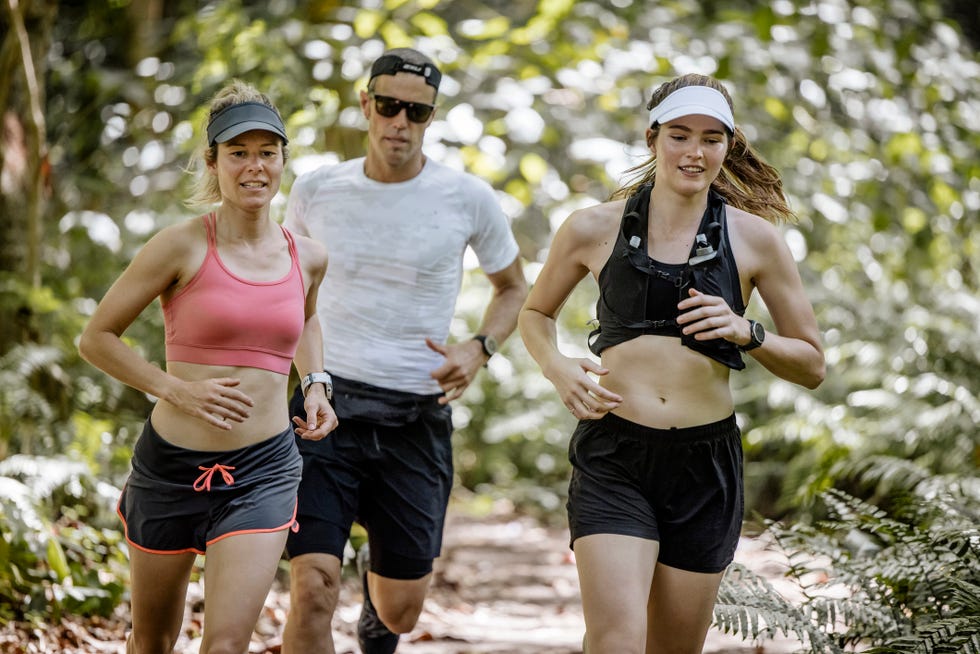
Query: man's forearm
{"points": [[509, 294]]}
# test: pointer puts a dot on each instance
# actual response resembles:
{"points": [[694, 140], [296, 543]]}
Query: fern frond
{"points": [[748, 605], [959, 635], [966, 595], [888, 473], [861, 615], [911, 576]]}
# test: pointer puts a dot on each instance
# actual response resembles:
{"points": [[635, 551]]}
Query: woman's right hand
{"points": [[582, 396], [216, 401]]}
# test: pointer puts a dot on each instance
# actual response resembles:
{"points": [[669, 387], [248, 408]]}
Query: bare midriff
{"points": [[665, 384], [268, 414]]}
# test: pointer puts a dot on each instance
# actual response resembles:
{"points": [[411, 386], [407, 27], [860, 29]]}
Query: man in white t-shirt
{"points": [[396, 225]]}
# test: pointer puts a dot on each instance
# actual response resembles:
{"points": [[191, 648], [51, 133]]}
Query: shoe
{"points": [[372, 634]]}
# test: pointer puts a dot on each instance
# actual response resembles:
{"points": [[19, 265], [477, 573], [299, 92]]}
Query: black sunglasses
{"points": [[417, 112]]}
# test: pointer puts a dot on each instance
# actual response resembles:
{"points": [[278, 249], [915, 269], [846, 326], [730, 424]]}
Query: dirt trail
{"points": [[504, 585], [509, 586]]}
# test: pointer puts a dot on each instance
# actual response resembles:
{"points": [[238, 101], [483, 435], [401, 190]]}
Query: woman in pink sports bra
{"points": [[216, 469]]}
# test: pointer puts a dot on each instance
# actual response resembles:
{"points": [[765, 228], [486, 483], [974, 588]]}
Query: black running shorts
{"points": [[389, 466], [681, 487]]}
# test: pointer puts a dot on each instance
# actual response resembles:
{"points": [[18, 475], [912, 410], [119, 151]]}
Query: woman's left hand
{"points": [[708, 316], [320, 418]]}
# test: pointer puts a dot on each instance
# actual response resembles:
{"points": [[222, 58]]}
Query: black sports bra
{"points": [[662, 292], [639, 296]]}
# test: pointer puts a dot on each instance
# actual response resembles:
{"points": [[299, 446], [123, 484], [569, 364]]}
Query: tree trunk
{"points": [[26, 36], [144, 16]]}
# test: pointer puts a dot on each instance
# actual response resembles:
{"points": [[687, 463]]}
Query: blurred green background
{"points": [[869, 108]]}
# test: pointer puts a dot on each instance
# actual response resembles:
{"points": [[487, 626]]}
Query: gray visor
{"points": [[243, 117]]}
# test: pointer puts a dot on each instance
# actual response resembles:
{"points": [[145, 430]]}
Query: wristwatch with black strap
{"points": [[318, 378], [757, 334], [488, 343]]}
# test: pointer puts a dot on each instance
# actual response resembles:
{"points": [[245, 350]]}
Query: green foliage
{"points": [[58, 552], [51, 397], [828, 100], [898, 581], [867, 107]]}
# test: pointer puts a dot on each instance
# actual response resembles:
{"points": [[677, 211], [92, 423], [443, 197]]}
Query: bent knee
{"points": [[399, 602], [400, 620], [314, 587]]}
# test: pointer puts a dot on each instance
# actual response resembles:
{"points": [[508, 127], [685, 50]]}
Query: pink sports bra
{"points": [[221, 319]]}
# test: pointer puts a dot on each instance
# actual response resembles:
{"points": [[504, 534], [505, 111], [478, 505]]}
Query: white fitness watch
{"points": [[318, 378]]}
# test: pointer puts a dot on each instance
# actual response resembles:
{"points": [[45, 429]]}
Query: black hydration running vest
{"points": [[622, 311]]}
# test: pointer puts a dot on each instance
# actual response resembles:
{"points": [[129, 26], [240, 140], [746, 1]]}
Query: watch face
{"points": [[758, 332], [489, 344]]}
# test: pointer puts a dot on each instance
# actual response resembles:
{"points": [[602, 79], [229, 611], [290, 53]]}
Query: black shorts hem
{"points": [[670, 563], [316, 536], [706, 570], [597, 531]]}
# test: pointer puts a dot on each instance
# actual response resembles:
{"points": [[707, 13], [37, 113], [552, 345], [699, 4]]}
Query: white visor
{"points": [[690, 100]]}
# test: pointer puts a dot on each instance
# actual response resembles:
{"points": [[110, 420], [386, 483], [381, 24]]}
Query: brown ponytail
{"points": [[746, 181]]}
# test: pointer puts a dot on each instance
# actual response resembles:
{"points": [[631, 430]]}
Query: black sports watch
{"points": [[318, 378], [757, 333], [489, 344]]}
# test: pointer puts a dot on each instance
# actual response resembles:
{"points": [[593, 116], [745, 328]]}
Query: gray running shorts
{"points": [[178, 500]]}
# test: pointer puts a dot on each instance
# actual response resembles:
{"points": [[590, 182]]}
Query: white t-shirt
{"points": [[395, 264]]}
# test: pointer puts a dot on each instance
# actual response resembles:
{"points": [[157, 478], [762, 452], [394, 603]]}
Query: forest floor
{"points": [[504, 585]]}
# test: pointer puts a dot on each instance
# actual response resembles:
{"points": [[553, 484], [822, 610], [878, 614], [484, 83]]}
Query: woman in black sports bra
{"points": [[655, 500]]}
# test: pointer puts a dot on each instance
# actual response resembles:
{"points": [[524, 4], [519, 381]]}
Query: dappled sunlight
{"points": [[870, 113]]}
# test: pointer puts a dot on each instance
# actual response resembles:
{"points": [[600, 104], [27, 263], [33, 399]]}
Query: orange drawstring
{"points": [[204, 481]]}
